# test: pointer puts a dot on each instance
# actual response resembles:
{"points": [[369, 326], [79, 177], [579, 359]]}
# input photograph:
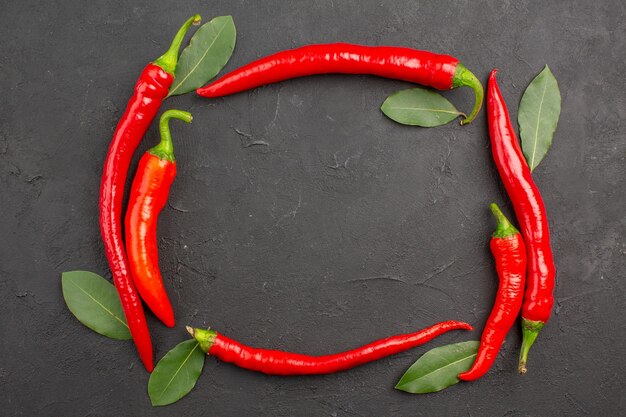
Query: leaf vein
{"points": [[427, 109], [201, 59], [100, 304], [543, 95], [178, 370], [441, 367]]}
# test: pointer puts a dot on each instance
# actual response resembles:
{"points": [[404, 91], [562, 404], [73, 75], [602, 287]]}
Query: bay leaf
{"points": [[538, 116], [439, 368], [208, 51], [176, 373], [419, 107], [95, 303]]}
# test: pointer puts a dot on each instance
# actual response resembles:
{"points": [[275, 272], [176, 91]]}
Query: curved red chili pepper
{"points": [[509, 252], [531, 214], [276, 362], [442, 72], [148, 196], [150, 90]]}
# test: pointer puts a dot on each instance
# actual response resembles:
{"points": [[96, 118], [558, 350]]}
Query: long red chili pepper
{"points": [[148, 196], [531, 214], [442, 72], [150, 90], [276, 362], [509, 252]]}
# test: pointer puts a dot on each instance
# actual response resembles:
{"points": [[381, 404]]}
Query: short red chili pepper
{"points": [[509, 252], [150, 90], [531, 214], [442, 72], [148, 196], [276, 362]]}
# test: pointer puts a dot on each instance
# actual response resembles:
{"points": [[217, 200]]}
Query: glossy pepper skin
{"points": [[442, 72], [150, 90], [276, 362], [509, 253], [531, 215], [148, 196]]}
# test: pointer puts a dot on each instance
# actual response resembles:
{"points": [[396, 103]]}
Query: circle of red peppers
{"points": [[157, 170]]}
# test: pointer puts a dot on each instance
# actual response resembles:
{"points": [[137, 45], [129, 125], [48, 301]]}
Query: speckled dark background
{"points": [[345, 228]]}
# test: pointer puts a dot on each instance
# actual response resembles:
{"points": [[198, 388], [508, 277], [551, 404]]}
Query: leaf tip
{"points": [[547, 69]]}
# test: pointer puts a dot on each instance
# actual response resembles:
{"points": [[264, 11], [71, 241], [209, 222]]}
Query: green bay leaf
{"points": [[208, 51], [95, 303], [438, 368], [538, 116], [419, 107], [176, 373]]}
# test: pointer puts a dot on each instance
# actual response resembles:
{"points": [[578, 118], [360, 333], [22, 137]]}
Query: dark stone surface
{"points": [[345, 228]]}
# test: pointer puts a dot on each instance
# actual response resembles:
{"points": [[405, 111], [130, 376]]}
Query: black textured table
{"points": [[343, 228]]}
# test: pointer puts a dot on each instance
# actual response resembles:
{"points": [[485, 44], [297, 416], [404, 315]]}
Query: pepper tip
{"points": [[461, 325], [467, 376], [148, 363]]}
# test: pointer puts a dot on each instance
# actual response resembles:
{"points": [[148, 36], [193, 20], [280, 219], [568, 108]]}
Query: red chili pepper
{"points": [[442, 72], [150, 90], [509, 252], [276, 362], [148, 196], [531, 214]]}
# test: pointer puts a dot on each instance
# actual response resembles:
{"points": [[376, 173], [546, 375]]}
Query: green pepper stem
{"points": [[464, 77], [168, 60], [530, 331], [205, 338], [504, 227], [165, 148]]}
